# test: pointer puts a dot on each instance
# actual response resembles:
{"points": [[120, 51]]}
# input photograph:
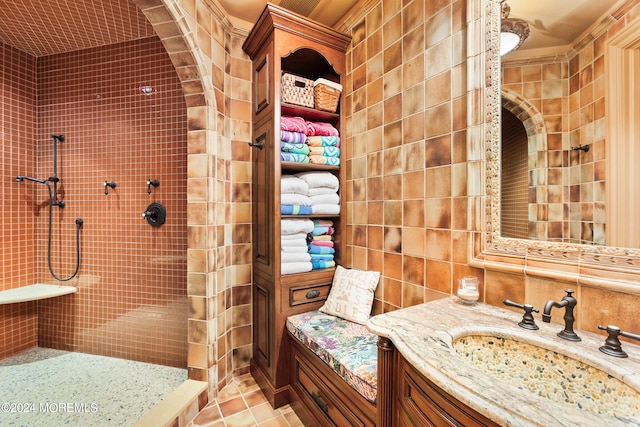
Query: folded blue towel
{"points": [[320, 230], [289, 147], [317, 264], [293, 157], [322, 257], [295, 210], [316, 249]]}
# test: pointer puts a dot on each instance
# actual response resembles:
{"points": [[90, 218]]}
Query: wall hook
{"points": [[152, 183], [111, 184]]}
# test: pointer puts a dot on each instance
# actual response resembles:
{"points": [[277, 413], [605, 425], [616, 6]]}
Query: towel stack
{"points": [[321, 247], [294, 196], [294, 255], [308, 142], [323, 140], [323, 192], [293, 136]]}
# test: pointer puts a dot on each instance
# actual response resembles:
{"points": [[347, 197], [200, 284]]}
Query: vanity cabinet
{"points": [[283, 42], [415, 400]]}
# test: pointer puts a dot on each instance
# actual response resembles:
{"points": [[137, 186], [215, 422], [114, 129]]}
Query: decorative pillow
{"points": [[351, 295]]}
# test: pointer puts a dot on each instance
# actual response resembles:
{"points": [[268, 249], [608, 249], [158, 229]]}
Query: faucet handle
{"points": [[612, 345], [527, 321]]}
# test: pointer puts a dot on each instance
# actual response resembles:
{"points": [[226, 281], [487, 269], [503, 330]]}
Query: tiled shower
{"points": [[122, 111]]}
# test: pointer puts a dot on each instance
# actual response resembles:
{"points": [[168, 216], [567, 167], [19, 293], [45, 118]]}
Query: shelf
{"points": [[34, 292], [310, 114], [310, 216], [302, 167]]}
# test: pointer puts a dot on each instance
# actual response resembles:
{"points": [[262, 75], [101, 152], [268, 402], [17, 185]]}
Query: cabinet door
{"points": [[263, 200], [262, 81], [263, 324]]}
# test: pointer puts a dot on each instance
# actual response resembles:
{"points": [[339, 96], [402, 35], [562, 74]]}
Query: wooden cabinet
{"points": [[283, 42], [321, 397], [408, 398]]}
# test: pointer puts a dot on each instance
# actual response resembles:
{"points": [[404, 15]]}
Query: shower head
{"points": [[58, 137]]}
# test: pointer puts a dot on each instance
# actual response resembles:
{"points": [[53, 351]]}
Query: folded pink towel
{"points": [[328, 243], [321, 128], [293, 124]]}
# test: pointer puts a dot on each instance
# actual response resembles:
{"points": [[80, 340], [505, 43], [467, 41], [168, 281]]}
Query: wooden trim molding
{"points": [[384, 400]]}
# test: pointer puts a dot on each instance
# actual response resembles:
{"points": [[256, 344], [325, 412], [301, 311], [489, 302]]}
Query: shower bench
{"points": [[333, 370], [34, 292]]}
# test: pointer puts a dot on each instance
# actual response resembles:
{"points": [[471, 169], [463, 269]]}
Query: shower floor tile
{"points": [[46, 387]]}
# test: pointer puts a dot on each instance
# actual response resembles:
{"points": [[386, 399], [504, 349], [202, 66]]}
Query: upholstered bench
{"points": [[334, 369]]}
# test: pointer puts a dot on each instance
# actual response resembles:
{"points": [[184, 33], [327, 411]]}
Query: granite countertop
{"points": [[424, 333]]}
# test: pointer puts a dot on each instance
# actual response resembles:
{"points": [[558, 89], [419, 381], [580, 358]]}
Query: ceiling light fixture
{"points": [[513, 31]]}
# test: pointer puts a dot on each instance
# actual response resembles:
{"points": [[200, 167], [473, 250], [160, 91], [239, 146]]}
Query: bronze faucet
{"points": [[568, 302]]}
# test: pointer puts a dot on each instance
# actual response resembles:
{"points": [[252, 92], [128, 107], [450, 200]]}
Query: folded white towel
{"points": [[295, 267], [295, 199], [319, 191], [293, 226], [325, 199], [294, 249], [294, 243], [320, 179], [325, 209], [293, 184], [302, 235], [295, 257]]}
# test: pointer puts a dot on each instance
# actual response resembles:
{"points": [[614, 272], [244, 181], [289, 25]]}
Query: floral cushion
{"points": [[347, 347]]}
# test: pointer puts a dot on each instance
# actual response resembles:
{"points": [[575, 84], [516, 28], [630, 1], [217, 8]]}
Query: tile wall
{"points": [[132, 279], [407, 185], [415, 169], [18, 327]]}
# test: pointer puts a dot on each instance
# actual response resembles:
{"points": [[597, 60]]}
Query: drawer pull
{"points": [[321, 403], [313, 294]]}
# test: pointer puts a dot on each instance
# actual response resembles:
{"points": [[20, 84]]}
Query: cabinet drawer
{"points": [[306, 294], [328, 403]]}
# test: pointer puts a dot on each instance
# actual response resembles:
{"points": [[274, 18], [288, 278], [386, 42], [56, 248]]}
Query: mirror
{"points": [[555, 85], [565, 260]]}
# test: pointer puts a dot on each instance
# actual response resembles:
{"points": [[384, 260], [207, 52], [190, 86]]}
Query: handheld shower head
{"points": [[19, 178], [58, 137]]}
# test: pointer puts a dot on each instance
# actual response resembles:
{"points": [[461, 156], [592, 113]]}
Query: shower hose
{"points": [[78, 226]]}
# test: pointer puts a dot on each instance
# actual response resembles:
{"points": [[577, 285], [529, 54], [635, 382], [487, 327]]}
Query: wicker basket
{"points": [[296, 90], [326, 94]]}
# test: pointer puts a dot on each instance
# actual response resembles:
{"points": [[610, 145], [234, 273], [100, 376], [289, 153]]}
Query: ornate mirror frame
{"points": [[604, 267]]}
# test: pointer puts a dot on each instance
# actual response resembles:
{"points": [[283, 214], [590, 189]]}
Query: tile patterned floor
{"points": [[242, 404]]}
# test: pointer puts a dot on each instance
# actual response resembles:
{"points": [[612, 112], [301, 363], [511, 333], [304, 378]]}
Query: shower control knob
{"points": [[156, 214]]}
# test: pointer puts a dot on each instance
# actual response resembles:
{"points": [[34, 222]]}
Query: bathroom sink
{"points": [[549, 374]]}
